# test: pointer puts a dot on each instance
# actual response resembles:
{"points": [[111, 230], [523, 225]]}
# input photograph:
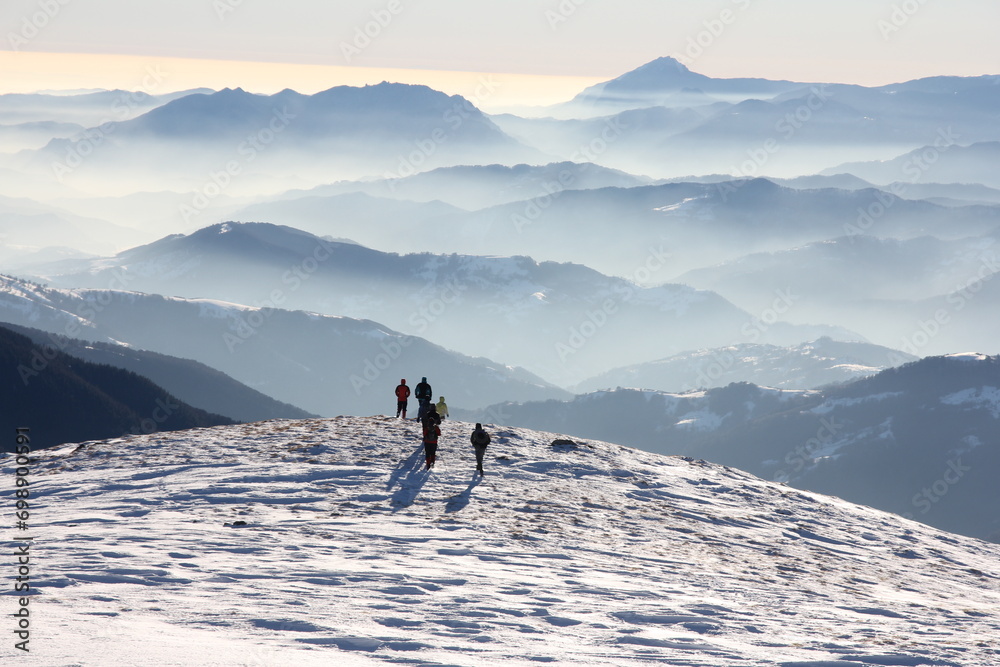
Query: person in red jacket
{"points": [[402, 393]]}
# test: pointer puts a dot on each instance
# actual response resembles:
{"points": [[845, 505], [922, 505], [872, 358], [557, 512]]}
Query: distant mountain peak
{"points": [[657, 74], [664, 64]]}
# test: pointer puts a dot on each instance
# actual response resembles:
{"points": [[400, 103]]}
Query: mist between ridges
{"points": [[596, 319], [89, 141], [246, 151], [293, 279], [613, 129], [452, 119], [422, 318], [927, 329]]}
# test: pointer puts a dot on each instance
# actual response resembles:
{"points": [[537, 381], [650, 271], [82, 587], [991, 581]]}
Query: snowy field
{"points": [[580, 553]]}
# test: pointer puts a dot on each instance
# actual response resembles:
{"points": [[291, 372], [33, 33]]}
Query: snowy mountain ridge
{"points": [[805, 366], [294, 356], [326, 542]]}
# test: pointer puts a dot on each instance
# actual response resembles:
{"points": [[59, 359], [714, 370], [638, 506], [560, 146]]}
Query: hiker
{"points": [[442, 408], [431, 417], [431, 435], [402, 393], [422, 392], [480, 439]]}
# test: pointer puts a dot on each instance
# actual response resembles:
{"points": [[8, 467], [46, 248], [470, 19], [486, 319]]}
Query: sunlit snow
{"points": [[326, 542]]}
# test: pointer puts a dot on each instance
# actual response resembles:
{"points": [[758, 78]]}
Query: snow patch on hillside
{"points": [[970, 357], [701, 420], [983, 397]]}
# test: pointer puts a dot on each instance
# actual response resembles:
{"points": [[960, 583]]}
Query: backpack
{"points": [[480, 438], [431, 417]]}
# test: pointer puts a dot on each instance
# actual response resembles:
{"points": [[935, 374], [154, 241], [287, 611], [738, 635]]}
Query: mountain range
{"points": [[319, 363], [698, 224], [580, 322], [236, 141], [960, 164], [806, 366], [85, 108], [668, 121], [470, 187]]}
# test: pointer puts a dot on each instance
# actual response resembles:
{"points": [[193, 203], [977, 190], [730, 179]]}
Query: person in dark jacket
{"points": [[422, 392], [480, 439], [402, 393], [431, 444]]}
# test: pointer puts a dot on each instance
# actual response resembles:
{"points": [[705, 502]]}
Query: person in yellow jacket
{"points": [[442, 408]]}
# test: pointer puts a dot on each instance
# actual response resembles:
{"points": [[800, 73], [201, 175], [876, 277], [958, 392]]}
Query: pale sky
{"points": [[520, 51]]}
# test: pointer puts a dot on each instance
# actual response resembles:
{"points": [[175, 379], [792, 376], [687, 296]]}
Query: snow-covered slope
{"points": [[324, 542]]}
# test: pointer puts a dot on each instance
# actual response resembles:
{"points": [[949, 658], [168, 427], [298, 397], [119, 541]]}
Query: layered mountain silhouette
{"points": [[323, 364], [887, 289], [236, 140], [61, 398], [569, 322], [468, 187], [670, 121], [666, 81], [941, 163], [395, 231], [698, 224], [35, 231], [190, 381], [85, 108]]}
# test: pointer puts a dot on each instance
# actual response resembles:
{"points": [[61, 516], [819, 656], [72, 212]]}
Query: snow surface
{"points": [[970, 357], [569, 553]]}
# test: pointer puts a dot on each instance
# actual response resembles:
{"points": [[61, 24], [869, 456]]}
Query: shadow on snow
{"points": [[457, 503], [410, 476]]}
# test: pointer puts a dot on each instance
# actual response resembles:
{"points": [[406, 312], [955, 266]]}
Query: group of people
{"points": [[424, 395], [430, 415]]}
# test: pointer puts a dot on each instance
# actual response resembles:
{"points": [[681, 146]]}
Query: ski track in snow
{"points": [[580, 553]]}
